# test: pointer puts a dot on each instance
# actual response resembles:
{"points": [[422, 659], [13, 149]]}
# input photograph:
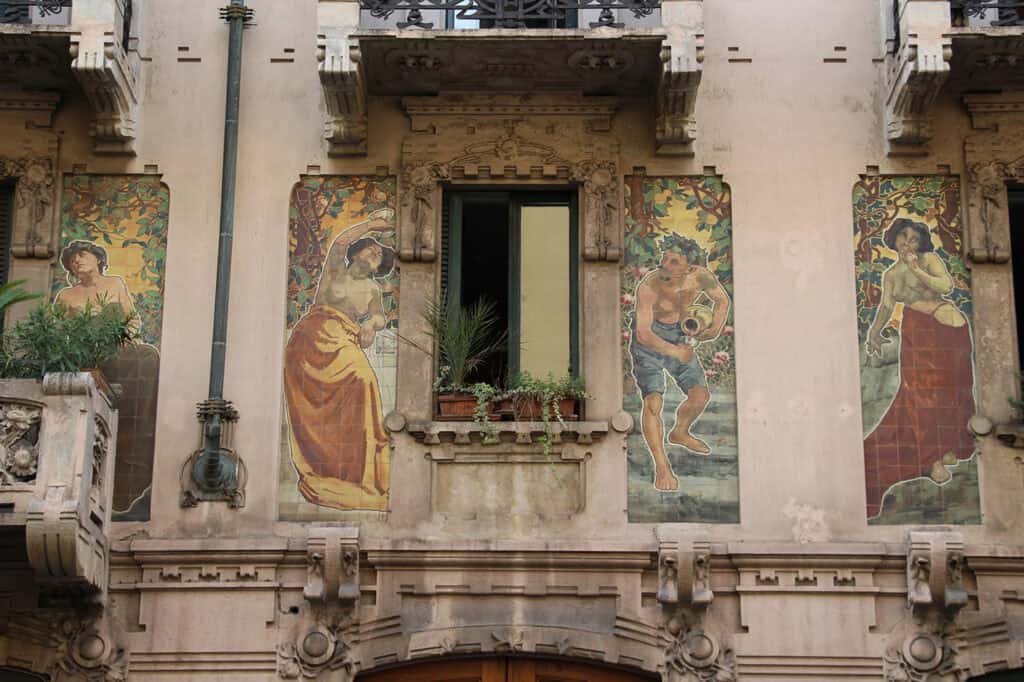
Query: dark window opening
{"points": [[6, 228], [517, 250], [484, 269], [1016, 204]]}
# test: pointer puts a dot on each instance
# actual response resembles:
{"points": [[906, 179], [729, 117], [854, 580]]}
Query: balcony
{"points": [[57, 440], [36, 12], [630, 48], [71, 46], [973, 45]]}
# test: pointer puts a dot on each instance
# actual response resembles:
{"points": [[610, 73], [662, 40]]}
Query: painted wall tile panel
{"points": [[678, 351], [340, 347], [113, 246], [917, 359]]}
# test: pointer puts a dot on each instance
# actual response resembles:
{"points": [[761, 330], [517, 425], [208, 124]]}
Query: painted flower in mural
{"points": [[720, 358], [628, 299], [727, 330]]}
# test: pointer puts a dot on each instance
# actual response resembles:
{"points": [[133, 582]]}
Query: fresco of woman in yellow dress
{"points": [[339, 447]]}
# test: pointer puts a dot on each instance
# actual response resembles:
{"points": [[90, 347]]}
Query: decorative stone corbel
{"points": [[684, 573], [109, 77], [915, 74], [35, 200], [935, 562], [332, 556], [341, 77], [321, 645], [682, 55]]}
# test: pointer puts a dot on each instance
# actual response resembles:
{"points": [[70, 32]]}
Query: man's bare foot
{"points": [[665, 480], [689, 441], [939, 473]]}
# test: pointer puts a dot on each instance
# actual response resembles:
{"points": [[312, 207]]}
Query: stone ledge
{"points": [[498, 433]]}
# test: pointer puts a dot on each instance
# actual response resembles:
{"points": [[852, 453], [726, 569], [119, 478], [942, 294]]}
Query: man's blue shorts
{"points": [[649, 366]]}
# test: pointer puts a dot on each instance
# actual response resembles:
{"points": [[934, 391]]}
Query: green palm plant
{"points": [[465, 338], [11, 293]]}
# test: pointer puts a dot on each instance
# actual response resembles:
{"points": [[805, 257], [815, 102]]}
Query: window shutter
{"points": [[446, 214], [6, 227]]}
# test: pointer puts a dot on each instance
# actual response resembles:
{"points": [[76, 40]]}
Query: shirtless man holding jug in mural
{"points": [[663, 341]]}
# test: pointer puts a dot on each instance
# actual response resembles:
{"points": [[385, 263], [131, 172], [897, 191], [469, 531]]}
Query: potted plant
{"points": [[465, 337], [53, 338], [531, 399]]}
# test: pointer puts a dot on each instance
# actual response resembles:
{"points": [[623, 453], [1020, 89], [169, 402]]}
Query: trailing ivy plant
{"points": [[53, 338], [547, 392]]}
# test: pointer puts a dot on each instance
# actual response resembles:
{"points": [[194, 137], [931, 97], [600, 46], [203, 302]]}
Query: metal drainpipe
{"points": [[213, 472]]}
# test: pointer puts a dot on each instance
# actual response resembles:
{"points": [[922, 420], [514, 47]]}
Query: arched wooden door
{"points": [[502, 670]]}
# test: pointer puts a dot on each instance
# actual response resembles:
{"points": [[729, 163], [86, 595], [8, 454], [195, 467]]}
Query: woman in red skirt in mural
{"points": [[925, 427]]}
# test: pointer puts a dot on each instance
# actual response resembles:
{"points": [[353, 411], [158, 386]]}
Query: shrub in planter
{"points": [[53, 338]]}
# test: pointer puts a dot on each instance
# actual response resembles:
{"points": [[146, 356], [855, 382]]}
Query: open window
{"points": [[1016, 206], [520, 251]]}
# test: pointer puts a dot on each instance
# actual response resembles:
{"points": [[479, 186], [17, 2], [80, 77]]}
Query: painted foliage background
{"points": [[321, 209], [934, 201], [697, 208], [126, 215]]}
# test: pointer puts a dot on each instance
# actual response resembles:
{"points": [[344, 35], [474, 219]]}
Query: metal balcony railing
{"points": [[510, 13], [35, 11], [987, 12]]}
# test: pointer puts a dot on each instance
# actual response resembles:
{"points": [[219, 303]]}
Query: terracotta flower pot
{"points": [[530, 409], [460, 407]]}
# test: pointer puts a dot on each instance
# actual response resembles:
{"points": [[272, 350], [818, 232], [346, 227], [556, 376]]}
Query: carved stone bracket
{"points": [[993, 157], [107, 74], [682, 55], [935, 564], [332, 557], [505, 134], [35, 204], [684, 573], [916, 73], [342, 79], [322, 643]]}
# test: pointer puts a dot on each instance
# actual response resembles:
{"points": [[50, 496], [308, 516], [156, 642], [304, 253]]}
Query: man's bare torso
{"points": [[674, 296]]}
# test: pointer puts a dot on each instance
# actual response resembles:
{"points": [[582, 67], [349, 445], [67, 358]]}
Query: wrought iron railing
{"points": [[988, 12], [509, 13], [20, 11]]}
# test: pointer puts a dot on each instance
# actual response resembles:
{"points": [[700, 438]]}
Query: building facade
{"points": [[776, 240]]}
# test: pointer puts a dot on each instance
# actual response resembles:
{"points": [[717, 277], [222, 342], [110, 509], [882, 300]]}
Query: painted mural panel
{"points": [[916, 351], [340, 347], [112, 249], [678, 351]]}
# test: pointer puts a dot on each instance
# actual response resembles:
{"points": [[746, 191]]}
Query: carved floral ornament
{"points": [[988, 181], [19, 443], [512, 157]]}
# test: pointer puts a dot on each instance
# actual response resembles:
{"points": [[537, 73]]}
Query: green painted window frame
{"points": [[455, 200]]}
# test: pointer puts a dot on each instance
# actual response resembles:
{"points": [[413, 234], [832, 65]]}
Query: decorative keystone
{"points": [[684, 572], [332, 557], [935, 563]]}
